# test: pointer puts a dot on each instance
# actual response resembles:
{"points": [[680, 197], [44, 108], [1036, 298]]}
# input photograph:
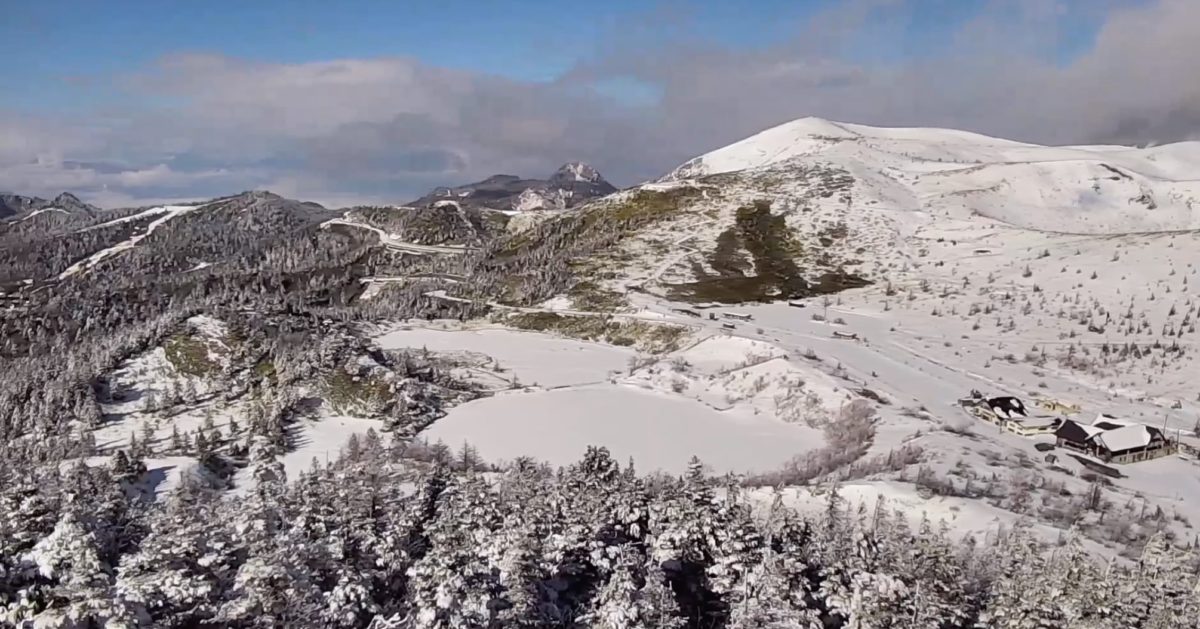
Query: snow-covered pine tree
{"points": [[1021, 598], [524, 600], [180, 570], [451, 586]]}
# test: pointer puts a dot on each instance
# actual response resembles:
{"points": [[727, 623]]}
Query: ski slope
{"points": [[396, 244], [168, 212]]}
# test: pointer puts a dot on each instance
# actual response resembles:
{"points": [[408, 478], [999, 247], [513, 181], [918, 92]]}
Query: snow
{"points": [[165, 474], [1125, 438], [533, 358], [659, 431], [528, 200], [957, 174], [716, 399], [170, 212], [1091, 431], [562, 302], [41, 211], [393, 242], [580, 172], [154, 211], [966, 517]]}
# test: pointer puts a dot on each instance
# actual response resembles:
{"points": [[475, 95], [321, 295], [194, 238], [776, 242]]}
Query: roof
{"points": [[1008, 406], [1127, 437], [1111, 421], [1077, 432]]}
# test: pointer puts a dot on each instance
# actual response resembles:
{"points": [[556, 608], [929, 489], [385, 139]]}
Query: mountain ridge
{"points": [[17, 205], [571, 184]]}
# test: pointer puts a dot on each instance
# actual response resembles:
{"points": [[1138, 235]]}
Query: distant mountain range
{"points": [[17, 205], [570, 185]]}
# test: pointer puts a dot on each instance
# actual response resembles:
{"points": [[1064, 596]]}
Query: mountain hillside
{"points": [[956, 174]]}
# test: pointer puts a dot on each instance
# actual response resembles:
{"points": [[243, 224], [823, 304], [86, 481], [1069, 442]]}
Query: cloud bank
{"points": [[386, 130]]}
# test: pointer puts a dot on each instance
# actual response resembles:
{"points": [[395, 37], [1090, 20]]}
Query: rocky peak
{"points": [[71, 203], [576, 172]]}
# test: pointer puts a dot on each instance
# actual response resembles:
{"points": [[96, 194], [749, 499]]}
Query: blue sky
{"points": [[129, 100], [50, 46], [64, 53]]}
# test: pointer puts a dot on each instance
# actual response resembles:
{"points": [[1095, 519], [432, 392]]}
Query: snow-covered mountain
{"points": [[957, 174], [13, 205], [572, 184]]}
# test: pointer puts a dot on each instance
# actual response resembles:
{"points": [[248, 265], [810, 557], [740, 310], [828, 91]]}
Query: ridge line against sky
{"points": [[133, 102]]}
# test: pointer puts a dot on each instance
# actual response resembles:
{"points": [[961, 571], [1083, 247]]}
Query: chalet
{"points": [[740, 316], [1113, 440], [1009, 413], [1030, 429]]}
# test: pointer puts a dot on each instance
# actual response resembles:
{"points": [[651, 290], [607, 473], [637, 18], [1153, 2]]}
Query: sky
{"points": [[131, 102]]}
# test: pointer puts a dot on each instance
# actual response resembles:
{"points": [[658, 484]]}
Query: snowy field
{"points": [[658, 430], [536, 359], [713, 399]]}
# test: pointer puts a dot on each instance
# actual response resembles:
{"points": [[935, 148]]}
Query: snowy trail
{"points": [[154, 211], [170, 211], [41, 211], [679, 257], [655, 317], [396, 244]]}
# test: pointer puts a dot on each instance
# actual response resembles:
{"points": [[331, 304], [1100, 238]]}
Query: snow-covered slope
{"points": [[957, 174], [168, 212]]}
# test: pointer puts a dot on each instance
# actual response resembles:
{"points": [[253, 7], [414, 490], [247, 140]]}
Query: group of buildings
{"points": [[1105, 438]]}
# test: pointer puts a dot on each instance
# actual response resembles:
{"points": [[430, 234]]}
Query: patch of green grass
{"points": [[647, 336], [588, 296], [730, 259], [346, 392], [725, 290], [190, 356], [600, 224], [496, 222], [774, 250], [264, 368]]}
